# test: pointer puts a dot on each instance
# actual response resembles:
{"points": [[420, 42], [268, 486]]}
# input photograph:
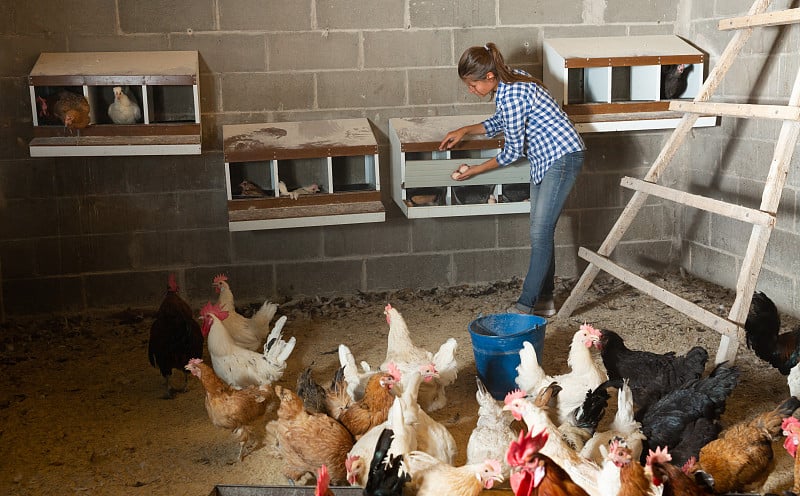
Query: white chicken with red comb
{"points": [[250, 333], [438, 370]]}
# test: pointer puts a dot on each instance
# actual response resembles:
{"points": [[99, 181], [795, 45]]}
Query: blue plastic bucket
{"points": [[496, 341]]}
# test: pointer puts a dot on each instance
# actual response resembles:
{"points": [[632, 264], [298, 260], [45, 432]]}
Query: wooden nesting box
{"points": [[339, 157], [164, 84], [422, 185], [615, 83]]}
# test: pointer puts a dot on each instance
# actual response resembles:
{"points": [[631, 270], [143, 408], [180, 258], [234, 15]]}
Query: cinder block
{"points": [[200, 209], [318, 278], [525, 12], [568, 264], [641, 10], [26, 50], [584, 30], [107, 252], [48, 17], [596, 191], [264, 15], [782, 251], [513, 231], [255, 92], [89, 42], [412, 271], [27, 218], [14, 101], [123, 289], [392, 236], [457, 233], [69, 216], [729, 235], [276, 245], [19, 257], [696, 225], [402, 49], [446, 13], [209, 94], [646, 257], [7, 18], [436, 87], [652, 29], [519, 46], [355, 14], [40, 296], [154, 250], [156, 16], [359, 89], [779, 288], [711, 265], [312, 50], [489, 266], [202, 173], [731, 8], [229, 52]]}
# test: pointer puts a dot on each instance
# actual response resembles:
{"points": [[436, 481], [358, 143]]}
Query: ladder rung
{"points": [[789, 16], [737, 212], [745, 110], [719, 324]]}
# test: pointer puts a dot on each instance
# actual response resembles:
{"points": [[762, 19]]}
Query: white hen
{"points": [[356, 379], [492, 434], [239, 366], [623, 426], [432, 437], [124, 110], [439, 370], [584, 375]]}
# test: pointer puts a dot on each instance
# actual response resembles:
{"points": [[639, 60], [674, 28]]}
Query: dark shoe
{"points": [[545, 308]]}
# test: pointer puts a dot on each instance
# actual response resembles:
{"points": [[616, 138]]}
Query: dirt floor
{"points": [[81, 410]]}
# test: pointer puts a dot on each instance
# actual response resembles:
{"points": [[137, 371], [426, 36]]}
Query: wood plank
{"points": [[743, 110], [709, 319], [304, 200], [576, 63], [576, 109], [424, 173], [121, 130], [730, 210], [283, 212], [790, 16], [320, 220]]}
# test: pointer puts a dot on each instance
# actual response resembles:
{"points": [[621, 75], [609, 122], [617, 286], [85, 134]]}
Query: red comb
{"points": [[220, 278], [216, 310], [513, 395], [394, 371], [172, 283]]}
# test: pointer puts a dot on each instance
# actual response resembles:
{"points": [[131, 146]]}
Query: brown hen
{"points": [[373, 408], [307, 441], [70, 108], [230, 408]]}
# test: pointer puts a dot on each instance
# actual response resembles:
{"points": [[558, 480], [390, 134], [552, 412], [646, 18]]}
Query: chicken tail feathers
{"points": [[385, 477], [594, 406], [276, 350], [762, 326]]}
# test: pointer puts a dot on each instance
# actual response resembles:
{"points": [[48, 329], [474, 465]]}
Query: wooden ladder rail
{"points": [[763, 222]]}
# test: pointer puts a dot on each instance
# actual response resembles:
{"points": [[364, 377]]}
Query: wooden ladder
{"points": [[763, 218]]}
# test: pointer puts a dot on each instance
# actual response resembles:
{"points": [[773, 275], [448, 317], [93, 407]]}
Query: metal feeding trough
{"points": [[237, 490]]}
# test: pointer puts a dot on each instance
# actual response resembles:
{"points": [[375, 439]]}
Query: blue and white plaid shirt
{"points": [[528, 115]]}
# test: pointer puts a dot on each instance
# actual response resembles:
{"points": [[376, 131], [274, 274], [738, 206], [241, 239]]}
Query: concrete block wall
{"points": [[731, 162], [83, 233]]}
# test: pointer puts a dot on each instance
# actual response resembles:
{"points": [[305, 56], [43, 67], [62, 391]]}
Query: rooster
{"points": [[791, 429], [175, 336], [534, 473], [741, 458], [584, 373], [247, 333], [229, 408], [762, 327], [650, 375], [440, 369], [124, 109], [239, 366], [70, 108]]}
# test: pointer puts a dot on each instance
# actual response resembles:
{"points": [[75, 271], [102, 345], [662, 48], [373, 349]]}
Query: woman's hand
{"points": [[452, 138]]}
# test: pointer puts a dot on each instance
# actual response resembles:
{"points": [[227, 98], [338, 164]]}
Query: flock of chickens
{"points": [[371, 427], [62, 106]]}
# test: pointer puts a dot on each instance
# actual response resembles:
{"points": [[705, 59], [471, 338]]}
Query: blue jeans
{"points": [[547, 201]]}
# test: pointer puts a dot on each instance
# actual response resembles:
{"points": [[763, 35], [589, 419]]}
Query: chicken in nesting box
{"points": [[72, 109], [124, 109]]}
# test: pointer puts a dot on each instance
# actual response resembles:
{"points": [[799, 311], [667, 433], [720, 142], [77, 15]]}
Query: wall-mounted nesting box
{"points": [[300, 174], [421, 174], [164, 85], [624, 82]]}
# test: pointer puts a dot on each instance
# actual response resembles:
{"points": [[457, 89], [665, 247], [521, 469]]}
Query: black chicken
{"points": [[674, 80], [650, 375], [385, 478], [175, 336], [762, 327], [687, 418]]}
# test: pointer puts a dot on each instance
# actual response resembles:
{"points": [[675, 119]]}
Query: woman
{"points": [[534, 126]]}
